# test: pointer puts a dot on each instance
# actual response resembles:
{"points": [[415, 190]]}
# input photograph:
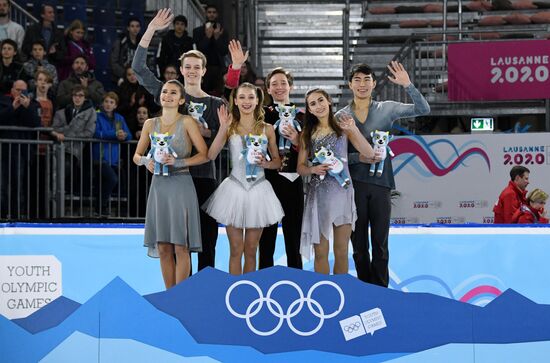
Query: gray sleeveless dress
{"points": [[240, 203], [172, 207], [327, 203]]}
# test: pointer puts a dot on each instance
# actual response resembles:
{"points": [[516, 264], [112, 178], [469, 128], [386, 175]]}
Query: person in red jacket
{"points": [[533, 212], [513, 196]]}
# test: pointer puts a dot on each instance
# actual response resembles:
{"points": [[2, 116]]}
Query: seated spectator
{"points": [[76, 120], [123, 50], [174, 44], [74, 45], [247, 73], [45, 31], [109, 126], [212, 41], [533, 212], [10, 29], [142, 114], [80, 76], [10, 69], [38, 62], [170, 73], [132, 95], [513, 196], [16, 109]]}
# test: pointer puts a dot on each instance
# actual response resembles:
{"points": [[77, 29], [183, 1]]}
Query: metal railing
{"points": [[74, 179], [426, 63], [20, 15]]}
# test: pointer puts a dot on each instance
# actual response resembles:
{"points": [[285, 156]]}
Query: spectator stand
{"points": [[412, 32]]}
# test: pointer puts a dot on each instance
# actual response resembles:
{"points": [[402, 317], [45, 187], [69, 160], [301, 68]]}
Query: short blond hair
{"points": [[537, 195], [194, 54], [112, 95]]}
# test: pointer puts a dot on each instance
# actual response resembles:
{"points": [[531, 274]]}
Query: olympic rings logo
{"points": [[352, 327], [277, 310]]}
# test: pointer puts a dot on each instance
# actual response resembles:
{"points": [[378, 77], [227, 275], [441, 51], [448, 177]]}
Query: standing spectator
{"points": [[16, 109], [10, 29], [174, 44], [109, 126], [10, 69], [76, 120], [373, 192], [39, 62], [132, 95], [73, 46], [513, 196], [533, 212], [212, 41], [43, 81], [39, 172], [123, 50], [45, 31], [80, 76]]}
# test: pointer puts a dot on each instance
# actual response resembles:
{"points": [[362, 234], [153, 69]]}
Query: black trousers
{"points": [[373, 205], [291, 196], [209, 227]]}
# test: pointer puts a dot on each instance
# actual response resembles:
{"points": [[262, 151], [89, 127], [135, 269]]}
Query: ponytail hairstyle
{"points": [[311, 121], [259, 113]]}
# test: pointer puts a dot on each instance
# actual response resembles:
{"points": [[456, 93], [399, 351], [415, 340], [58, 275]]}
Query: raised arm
{"points": [[238, 57], [347, 123], [221, 137], [400, 77], [139, 64]]}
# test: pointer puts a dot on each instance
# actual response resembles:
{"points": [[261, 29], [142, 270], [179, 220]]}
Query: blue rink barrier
{"points": [[457, 294]]}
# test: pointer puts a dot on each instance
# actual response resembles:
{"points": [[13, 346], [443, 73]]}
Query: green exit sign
{"points": [[482, 124]]}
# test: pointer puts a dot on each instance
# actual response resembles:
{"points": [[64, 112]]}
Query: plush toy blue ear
{"points": [[277, 108], [390, 136], [168, 138], [372, 134], [264, 140]]}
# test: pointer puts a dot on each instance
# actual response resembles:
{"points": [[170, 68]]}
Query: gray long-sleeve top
{"points": [[153, 85], [381, 117]]}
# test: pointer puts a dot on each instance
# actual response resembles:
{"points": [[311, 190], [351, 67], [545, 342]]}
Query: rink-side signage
{"points": [[491, 71], [27, 284]]}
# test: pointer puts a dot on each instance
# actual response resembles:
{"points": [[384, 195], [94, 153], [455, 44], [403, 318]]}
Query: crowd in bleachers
{"points": [[83, 86]]}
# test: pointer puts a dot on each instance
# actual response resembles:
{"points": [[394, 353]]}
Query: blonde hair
{"points": [[194, 54], [259, 113], [537, 195], [75, 24]]}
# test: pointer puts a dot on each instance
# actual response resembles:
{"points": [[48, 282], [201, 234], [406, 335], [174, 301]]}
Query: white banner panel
{"points": [[458, 178]]}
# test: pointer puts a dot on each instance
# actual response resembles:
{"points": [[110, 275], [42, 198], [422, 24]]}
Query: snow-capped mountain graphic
{"points": [[192, 320]]}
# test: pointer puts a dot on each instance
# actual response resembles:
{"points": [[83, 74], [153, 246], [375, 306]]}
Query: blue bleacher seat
{"points": [[102, 72], [105, 35], [72, 12], [131, 5], [103, 17]]}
